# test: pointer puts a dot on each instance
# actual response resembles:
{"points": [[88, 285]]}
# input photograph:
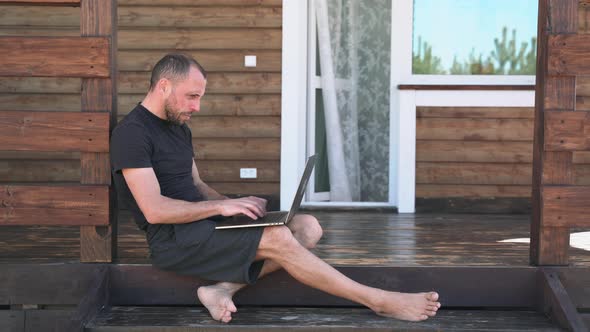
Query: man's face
{"points": [[185, 97]]}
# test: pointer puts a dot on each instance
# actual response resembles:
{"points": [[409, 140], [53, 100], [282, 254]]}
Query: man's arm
{"points": [[209, 192], [159, 209]]}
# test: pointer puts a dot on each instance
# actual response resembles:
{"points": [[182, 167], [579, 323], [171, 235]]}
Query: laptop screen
{"points": [[301, 189]]}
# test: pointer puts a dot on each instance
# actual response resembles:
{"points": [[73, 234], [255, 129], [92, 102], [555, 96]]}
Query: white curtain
{"points": [[354, 46], [339, 74]]}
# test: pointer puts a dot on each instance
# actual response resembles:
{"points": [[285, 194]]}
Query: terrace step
{"points": [[284, 319]]}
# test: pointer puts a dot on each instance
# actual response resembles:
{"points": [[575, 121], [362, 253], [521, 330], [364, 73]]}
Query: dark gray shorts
{"points": [[197, 249]]}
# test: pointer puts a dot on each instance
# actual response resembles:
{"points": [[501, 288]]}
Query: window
{"points": [[474, 37]]}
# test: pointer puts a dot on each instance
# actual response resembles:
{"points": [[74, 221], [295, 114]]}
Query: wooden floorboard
{"points": [[185, 319], [350, 238]]}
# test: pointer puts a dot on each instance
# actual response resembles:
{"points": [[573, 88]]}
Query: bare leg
{"points": [[217, 298], [279, 245]]}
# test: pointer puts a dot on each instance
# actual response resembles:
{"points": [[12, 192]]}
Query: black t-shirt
{"points": [[144, 140]]}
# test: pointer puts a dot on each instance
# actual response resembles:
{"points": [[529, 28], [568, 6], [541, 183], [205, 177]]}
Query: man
{"points": [[156, 176]]}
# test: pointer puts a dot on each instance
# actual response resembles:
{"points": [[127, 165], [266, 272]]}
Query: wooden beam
{"points": [[54, 205], [54, 56], [93, 301], [98, 18], [567, 131], [146, 285], [557, 304], [567, 54], [566, 206]]}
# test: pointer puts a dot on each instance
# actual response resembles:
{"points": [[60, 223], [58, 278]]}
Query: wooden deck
{"points": [[362, 238]]}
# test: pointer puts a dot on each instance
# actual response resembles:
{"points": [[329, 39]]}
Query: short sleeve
{"points": [[131, 147]]}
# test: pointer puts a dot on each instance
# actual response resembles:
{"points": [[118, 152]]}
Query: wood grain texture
{"points": [[560, 93], [200, 17], [557, 168], [54, 131], [235, 126], [567, 131], [237, 148], [258, 83], [566, 54], [454, 190], [219, 171], [218, 104], [34, 15], [58, 170], [473, 173], [474, 129], [564, 16], [45, 85], [565, 206], [42, 2], [211, 60], [291, 319], [474, 151], [222, 38], [54, 205], [239, 3], [58, 56], [475, 112], [557, 303], [39, 102]]}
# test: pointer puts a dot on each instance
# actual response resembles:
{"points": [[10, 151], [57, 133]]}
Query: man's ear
{"points": [[165, 87]]}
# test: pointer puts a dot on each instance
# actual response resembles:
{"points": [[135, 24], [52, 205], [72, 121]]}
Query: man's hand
{"points": [[251, 206]]}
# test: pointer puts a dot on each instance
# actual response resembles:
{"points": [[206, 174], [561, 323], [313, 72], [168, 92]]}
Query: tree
{"points": [[424, 62]]}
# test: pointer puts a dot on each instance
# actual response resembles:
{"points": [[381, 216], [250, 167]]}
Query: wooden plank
{"points": [[565, 52], [235, 126], [39, 31], [54, 205], [54, 131], [558, 304], [211, 60], [474, 152], [452, 190], [557, 168], [57, 56], [33, 155], [474, 129], [222, 38], [560, 93], [567, 131], [200, 17], [146, 285], [564, 14], [48, 320], [565, 206], [577, 284], [19, 15], [297, 319], [582, 103], [219, 104], [581, 157], [98, 18], [39, 102], [49, 284], [581, 175], [475, 112], [473, 173], [259, 83], [246, 188], [550, 244], [200, 2], [39, 170], [12, 320], [237, 149], [468, 87], [491, 205], [42, 2], [45, 85], [219, 171], [583, 17], [583, 86]]}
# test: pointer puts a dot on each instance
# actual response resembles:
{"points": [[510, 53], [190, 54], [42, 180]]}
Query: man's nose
{"points": [[196, 107]]}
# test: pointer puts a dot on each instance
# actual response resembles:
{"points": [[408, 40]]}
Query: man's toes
{"points": [[423, 317], [432, 307], [431, 313], [432, 296]]}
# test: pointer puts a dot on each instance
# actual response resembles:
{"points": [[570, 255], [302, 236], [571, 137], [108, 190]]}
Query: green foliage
{"points": [[424, 62], [504, 59]]}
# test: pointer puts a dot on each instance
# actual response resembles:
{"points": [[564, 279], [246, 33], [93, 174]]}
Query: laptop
{"points": [[274, 218]]}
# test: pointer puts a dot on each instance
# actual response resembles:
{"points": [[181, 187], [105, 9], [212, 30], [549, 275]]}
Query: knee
{"points": [[276, 239], [311, 229]]}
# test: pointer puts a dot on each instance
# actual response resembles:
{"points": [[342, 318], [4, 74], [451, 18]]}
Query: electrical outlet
{"points": [[248, 173], [250, 61]]}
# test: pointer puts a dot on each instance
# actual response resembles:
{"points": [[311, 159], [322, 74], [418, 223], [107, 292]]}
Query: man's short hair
{"points": [[175, 67]]}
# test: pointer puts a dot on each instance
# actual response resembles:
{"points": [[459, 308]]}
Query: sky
{"points": [[455, 27]]}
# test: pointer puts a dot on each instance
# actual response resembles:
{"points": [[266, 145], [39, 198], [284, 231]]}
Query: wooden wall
{"points": [[239, 122], [482, 152]]}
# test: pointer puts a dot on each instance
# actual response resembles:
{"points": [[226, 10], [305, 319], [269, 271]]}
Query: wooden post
{"points": [[554, 92], [98, 18]]}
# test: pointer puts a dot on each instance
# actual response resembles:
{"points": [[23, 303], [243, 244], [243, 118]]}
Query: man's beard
{"points": [[173, 115]]}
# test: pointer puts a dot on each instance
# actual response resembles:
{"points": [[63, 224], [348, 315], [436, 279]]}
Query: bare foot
{"points": [[407, 306], [218, 301]]}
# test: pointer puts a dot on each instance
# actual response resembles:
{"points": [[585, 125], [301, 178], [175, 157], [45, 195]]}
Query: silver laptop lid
{"points": [[301, 190]]}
